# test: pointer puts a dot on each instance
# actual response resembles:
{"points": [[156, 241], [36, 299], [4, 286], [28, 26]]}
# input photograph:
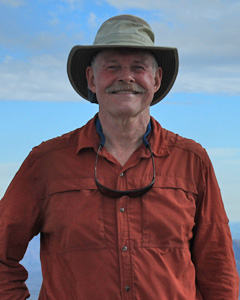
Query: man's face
{"points": [[124, 81]]}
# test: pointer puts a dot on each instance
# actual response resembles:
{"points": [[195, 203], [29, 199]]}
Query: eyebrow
{"points": [[110, 60], [136, 61]]}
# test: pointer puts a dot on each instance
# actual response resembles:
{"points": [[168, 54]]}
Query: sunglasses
{"points": [[131, 193]]}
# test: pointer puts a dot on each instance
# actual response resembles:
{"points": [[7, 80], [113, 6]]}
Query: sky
{"points": [[37, 101]]}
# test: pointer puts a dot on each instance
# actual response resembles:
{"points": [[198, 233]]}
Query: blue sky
{"points": [[37, 101]]}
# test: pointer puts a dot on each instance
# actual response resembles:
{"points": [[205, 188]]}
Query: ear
{"points": [[157, 79], [91, 79]]}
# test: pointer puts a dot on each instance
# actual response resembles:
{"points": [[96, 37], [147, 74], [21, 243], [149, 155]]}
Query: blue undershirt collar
{"points": [[102, 142]]}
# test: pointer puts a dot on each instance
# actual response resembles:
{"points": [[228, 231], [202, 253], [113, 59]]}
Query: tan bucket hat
{"points": [[123, 31]]}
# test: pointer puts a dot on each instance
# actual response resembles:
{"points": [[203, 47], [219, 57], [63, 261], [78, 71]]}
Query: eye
{"points": [[111, 67], [138, 67]]}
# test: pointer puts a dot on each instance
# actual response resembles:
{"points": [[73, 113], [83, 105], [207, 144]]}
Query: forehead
{"points": [[134, 54]]}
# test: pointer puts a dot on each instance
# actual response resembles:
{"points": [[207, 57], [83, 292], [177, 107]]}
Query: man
{"points": [[125, 208]]}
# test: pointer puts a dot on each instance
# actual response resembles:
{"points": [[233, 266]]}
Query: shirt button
{"points": [[127, 288], [124, 248], [121, 175], [122, 209]]}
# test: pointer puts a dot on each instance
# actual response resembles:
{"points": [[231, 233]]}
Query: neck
{"points": [[123, 135]]}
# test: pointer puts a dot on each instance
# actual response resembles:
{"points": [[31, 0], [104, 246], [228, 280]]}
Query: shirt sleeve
{"points": [[212, 251], [19, 222]]}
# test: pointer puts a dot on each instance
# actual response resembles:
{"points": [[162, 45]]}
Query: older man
{"points": [[125, 208]]}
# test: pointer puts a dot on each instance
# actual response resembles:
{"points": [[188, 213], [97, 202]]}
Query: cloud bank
{"points": [[226, 162], [33, 64]]}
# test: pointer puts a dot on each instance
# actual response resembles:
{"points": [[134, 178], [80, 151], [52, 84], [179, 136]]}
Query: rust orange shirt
{"points": [[173, 243]]}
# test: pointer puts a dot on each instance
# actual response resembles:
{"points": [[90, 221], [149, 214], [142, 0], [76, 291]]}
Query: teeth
{"points": [[124, 92]]}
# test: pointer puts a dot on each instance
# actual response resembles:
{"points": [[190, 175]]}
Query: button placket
{"points": [[121, 180], [124, 247]]}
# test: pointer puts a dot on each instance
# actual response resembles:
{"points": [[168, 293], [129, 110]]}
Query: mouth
{"points": [[125, 92], [119, 89]]}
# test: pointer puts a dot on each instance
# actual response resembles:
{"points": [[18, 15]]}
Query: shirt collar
{"points": [[158, 139], [89, 137], [101, 134]]}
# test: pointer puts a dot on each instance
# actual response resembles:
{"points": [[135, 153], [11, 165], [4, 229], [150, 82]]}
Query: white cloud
{"points": [[206, 34], [210, 82], [141, 4], [13, 3], [92, 20], [72, 1], [54, 21], [225, 153], [7, 59], [74, 4], [43, 78], [181, 7], [226, 162]]}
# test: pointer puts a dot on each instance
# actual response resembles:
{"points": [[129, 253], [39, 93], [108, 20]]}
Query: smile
{"points": [[125, 92], [133, 89]]}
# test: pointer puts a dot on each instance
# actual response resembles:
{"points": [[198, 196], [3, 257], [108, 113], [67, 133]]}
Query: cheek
{"points": [[103, 80], [147, 80], [149, 86]]}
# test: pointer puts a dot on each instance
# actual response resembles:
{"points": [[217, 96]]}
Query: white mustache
{"points": [[131, 87]]}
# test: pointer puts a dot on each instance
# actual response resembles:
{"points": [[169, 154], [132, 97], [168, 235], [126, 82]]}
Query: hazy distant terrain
{"points": [[32, 263], [236, 249], [235, 229]]}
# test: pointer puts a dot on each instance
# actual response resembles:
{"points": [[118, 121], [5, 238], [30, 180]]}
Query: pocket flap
{"points": [[66, 185], [185, 184]]}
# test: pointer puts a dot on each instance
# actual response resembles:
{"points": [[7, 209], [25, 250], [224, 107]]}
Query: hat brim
{"points": [[80, 58]]}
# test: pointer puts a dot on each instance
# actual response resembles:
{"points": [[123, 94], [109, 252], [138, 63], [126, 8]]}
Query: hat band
{"points": [[125, 40]]}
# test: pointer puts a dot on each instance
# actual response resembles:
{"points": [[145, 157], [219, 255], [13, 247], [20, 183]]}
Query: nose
{"points": [[126, 75]]}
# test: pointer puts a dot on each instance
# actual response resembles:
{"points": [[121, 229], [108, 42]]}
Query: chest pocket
{"points": [[168, 213], [73, 216]]}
